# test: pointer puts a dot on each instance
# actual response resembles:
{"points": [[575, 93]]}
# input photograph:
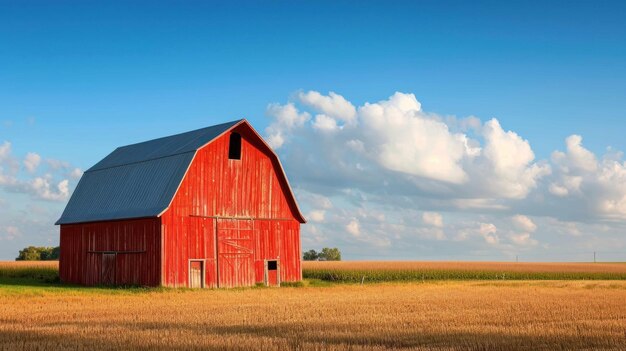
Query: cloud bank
{"points": [[26, 176], [392, 168]]}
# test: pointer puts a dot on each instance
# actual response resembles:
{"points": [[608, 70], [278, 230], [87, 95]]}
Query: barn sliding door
{"points": [[108, 269], [235, 253]]}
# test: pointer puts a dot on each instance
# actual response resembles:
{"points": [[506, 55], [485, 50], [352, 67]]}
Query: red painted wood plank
{"points": [[83, 247]]}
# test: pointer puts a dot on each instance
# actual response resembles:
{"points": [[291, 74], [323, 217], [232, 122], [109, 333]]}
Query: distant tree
{"points": [[34, 253], [30, 253], [50, 253], [310, 255], [330, 254], [56, 253]]}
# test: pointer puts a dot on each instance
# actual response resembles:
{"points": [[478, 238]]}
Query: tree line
{"points": [[36, 253], [327, 254]]}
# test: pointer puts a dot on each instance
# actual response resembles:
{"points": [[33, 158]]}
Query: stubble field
{"points": [[431, 315]]}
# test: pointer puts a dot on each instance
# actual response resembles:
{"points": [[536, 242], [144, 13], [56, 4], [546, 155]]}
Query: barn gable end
{"points": [[244, 202]]}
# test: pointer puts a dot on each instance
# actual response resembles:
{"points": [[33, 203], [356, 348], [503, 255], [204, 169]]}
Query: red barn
{"points": [[206, 208]]}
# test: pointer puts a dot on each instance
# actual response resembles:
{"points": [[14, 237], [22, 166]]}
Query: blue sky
{"points": [[78, 79]]}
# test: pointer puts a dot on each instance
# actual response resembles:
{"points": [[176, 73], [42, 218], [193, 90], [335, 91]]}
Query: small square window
{"points": [[272, 265]]}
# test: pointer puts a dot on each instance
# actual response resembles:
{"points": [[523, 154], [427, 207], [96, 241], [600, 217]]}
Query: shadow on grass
{"points": [[300, 336], [15, 279], [34, 285]]}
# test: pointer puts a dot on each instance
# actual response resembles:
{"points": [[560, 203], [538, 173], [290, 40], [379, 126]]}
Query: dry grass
{"points": [[453, 315], [432, 316]]}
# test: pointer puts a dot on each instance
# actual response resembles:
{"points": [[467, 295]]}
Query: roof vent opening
{"points": [[234, 147]]}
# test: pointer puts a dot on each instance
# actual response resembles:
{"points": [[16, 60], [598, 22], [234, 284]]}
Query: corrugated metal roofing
{"points": [[137, 180], [162, 147]]}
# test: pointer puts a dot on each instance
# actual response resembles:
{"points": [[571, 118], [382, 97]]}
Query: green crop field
{"points": [[376, 272]]}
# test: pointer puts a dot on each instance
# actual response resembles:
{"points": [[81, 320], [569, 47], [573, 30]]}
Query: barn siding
{"points": [[136, 244], [290, 251], [278, 240], [216, 187], [188, 238]]}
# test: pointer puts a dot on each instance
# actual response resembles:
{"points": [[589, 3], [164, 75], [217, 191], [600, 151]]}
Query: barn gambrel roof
{"points": [[140, 180]]}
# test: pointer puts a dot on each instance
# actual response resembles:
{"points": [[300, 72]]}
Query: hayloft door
{"points": [[108, 269], [235, 253]]}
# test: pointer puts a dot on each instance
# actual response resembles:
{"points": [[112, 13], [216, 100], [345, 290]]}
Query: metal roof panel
{"points": [[162, 147], [141, 189], [137, 180]]}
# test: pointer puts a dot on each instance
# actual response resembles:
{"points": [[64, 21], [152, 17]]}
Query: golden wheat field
{"points": [[438, 315]]}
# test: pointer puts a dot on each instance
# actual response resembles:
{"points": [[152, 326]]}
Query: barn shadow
{"points": [[399, 339], [56, 284], [33, 340], [31, 281]]}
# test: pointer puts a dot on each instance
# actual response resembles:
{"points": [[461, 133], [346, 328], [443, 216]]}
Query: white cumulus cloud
{"points": [[32, 161], [316, 215], [354, 228], [325, 124], [489, 232], [522, 239], [42, 187], [577, 157], [50, 186], [402, 138], [524, 223], [598, 186], [285, 119], [432, 219], [334, 106], [510, 170], [76, 173]]}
